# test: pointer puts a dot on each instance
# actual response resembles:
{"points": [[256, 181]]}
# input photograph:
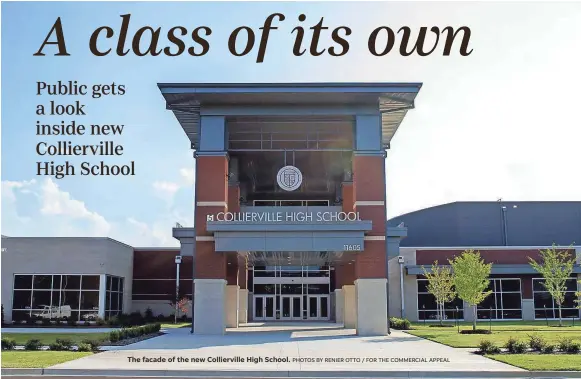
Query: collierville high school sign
{"points": [[258, 217]]}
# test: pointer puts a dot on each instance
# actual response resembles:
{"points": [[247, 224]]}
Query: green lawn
{"points": [[501, 332], [541, 362], [38, 359], [47, 338]]}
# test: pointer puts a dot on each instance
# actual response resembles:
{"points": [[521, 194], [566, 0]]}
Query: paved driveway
{"points": [[299, 347]]}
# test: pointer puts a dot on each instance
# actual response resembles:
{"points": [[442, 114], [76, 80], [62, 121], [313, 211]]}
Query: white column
{"points": [[103, 295], [468, 312], [339, 306], [243, 306], [232, 308], [349, 307], [210, 306], [371, 305], [528, 309]]}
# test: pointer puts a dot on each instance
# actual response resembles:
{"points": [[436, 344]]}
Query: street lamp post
{"points": [[401, 261], [504, 222], [178, 261]]}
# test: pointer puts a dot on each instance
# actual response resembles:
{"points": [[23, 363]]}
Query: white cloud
{"points": [[51, 211], [166, 190], [188, 175], [56, 202]]}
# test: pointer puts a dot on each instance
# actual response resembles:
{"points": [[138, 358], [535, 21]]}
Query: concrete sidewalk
{"points": [[330, 350]]}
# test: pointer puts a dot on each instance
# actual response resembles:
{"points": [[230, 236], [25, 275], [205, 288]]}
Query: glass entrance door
{"points": [[264, 307], [318, 307], [291, 307]]}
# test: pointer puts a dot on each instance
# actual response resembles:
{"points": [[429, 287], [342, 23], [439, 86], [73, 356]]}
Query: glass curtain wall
{"points": [[290, 294], [545, 306], [55, 296], [427, 307]]}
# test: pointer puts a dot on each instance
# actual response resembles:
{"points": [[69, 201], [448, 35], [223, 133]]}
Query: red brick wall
{"points": [[209, 264], [211, 185], [159, 264], [368, 186], [154, 275], [348, 197], [344, 274]]}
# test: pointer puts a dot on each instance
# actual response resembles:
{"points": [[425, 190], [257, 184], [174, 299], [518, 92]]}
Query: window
{"points": [[290, 203], [113, 296], [545, 306], [55, 296], [503, 303], [427, 307]]}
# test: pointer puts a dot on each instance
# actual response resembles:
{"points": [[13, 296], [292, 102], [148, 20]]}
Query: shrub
{"points": [[113, 321], [549, 349], [399, 323], [45, 321], [537, 343], [71, 322], [32, 344], [67, 343], [95, 344], [8, 344], [566, 345], [135, 318], [84, 347], [477, 331], [2, 313], [515, 346], [148, 315], [488, 347], [100, 321], [114, 336], [57, 346]]}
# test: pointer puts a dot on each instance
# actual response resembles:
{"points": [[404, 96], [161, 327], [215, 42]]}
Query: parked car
{"points": [[90, 316], [48, 312]]}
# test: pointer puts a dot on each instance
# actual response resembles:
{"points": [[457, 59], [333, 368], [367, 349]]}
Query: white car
{"points": [[49, 312]]}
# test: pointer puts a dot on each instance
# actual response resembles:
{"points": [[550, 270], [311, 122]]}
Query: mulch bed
{"points": [[129, 341]]}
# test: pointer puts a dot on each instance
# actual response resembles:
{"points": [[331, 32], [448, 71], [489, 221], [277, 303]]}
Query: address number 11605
{"points": [[351, 247]]}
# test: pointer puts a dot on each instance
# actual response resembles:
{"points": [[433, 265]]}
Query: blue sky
{"points": [[502, 122]]}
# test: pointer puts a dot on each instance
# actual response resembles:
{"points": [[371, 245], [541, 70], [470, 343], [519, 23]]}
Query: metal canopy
{"points": [[298, 258], [393, 100]]}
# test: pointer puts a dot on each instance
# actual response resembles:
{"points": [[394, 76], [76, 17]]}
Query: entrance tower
{"points": [[290, 217]]}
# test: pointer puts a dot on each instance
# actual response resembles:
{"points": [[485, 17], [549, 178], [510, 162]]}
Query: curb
{"points": [[152, 374]]}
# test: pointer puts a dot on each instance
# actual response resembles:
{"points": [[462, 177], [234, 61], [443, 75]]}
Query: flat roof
{"points": [[392, 100]]}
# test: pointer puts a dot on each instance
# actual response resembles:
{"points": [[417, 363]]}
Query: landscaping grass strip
{"points": [[48, 338], [38, 359], [541, 362]]}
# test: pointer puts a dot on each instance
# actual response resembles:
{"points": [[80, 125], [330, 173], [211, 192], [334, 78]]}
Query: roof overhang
{"points": [[288, 237], [392, 100]]}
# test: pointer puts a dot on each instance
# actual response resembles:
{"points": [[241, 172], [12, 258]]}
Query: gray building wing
{"points": [[483, 224]]}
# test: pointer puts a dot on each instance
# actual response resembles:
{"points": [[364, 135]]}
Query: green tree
{"points": [[440, 285], [556, 267], [470, 275]]}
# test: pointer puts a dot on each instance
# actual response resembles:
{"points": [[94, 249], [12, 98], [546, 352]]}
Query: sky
{"points": [[502, 122]]}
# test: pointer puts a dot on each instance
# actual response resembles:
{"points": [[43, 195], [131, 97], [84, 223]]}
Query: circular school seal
{"points": [[289, 178]]}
